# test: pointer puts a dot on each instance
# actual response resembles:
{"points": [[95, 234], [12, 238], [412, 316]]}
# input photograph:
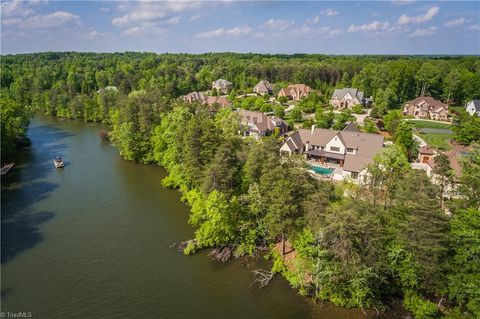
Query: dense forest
{"points": [[355, 246]]}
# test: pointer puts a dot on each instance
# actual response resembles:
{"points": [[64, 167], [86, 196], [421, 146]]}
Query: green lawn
{"points": [[428, 124], [437, 140]]}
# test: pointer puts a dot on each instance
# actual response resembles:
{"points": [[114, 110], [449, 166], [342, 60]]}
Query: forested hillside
{"points": [[355, 246]]}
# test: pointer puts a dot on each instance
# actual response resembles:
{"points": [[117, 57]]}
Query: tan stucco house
{"points": [[295, 91], [347, 98], [258, 124], [349, 152], [426, 107]]}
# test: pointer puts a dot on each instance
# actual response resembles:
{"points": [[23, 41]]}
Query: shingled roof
{"points": [[263, 87], [366, 145], [340, 93], [428, 100], [260, 120]]}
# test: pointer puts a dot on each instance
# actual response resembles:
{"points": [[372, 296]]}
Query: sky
{"points": [[325, 27]]}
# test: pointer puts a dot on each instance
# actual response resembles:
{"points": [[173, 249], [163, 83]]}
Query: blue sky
{"points": [[329, 27]]}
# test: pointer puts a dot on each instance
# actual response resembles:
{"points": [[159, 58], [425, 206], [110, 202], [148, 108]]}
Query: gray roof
{"points": [[340, 93], [354, 163], [366, 144], [261, 121], [476, 104], [351, 126], [263, 87], [321, 136], [221, 83]]}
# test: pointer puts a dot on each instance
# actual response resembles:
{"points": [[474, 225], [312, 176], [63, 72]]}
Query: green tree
{"points": [[469, 187], [296, 114], [464, 277], [392, 120], [443, 172], [324, 119], [404, 138], [279, 111]]}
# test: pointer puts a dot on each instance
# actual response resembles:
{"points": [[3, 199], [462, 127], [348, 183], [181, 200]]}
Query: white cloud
{"points": [[151, 11], [423, 32], [329, 12], [325, 32], [194, 17], [373, 26], [402, 2], [314, 20], [92, 35], [233, 32], [474, 27], [47, 21], [455, 22], [278, 24], [103, 9], [178, 6], [138, 16], [133, 31], [432, 12], [173, 21], [11, 21], [259, 35], [328, 32], [16, 8]]}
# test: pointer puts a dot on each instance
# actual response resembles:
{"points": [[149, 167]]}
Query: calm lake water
{"points": [[92, 241]]}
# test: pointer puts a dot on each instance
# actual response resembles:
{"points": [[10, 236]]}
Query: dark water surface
{"points": [[92, 241]]}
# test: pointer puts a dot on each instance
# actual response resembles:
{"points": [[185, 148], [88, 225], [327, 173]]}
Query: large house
{"points": [[473, 107], [221, 101], [348, 98], [263, 87], [426, 107], [295, 91], [222, 86], [348, 153], [192, 97], [258, 124]]}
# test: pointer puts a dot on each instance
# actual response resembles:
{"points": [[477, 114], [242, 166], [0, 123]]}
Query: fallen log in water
{"points": [[182, 245], [262, 277], [222, 253]]}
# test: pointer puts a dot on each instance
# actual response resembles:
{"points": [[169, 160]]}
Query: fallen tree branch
{"points": [[222, 253], [182, 245], [262, 277]]}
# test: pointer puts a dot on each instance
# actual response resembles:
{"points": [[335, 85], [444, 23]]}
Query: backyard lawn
{"points": [[435, 134], [437, 140], [429, 124]]}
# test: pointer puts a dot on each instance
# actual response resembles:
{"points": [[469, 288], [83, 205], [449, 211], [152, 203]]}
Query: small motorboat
{"points": [[58, 162], [6, 168]]}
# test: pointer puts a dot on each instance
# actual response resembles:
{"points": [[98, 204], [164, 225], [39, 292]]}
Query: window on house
{"points": [[349, 150], [334, 149], [354, 175]]}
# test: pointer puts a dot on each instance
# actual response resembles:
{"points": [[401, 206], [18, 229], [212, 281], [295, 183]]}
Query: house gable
{"points": [[335, 145]]}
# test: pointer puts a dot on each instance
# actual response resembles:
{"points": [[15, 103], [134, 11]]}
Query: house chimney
{"points": [[313, 129]]}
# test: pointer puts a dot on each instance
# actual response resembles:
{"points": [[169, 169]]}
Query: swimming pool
{"points": [[321, 170]]}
